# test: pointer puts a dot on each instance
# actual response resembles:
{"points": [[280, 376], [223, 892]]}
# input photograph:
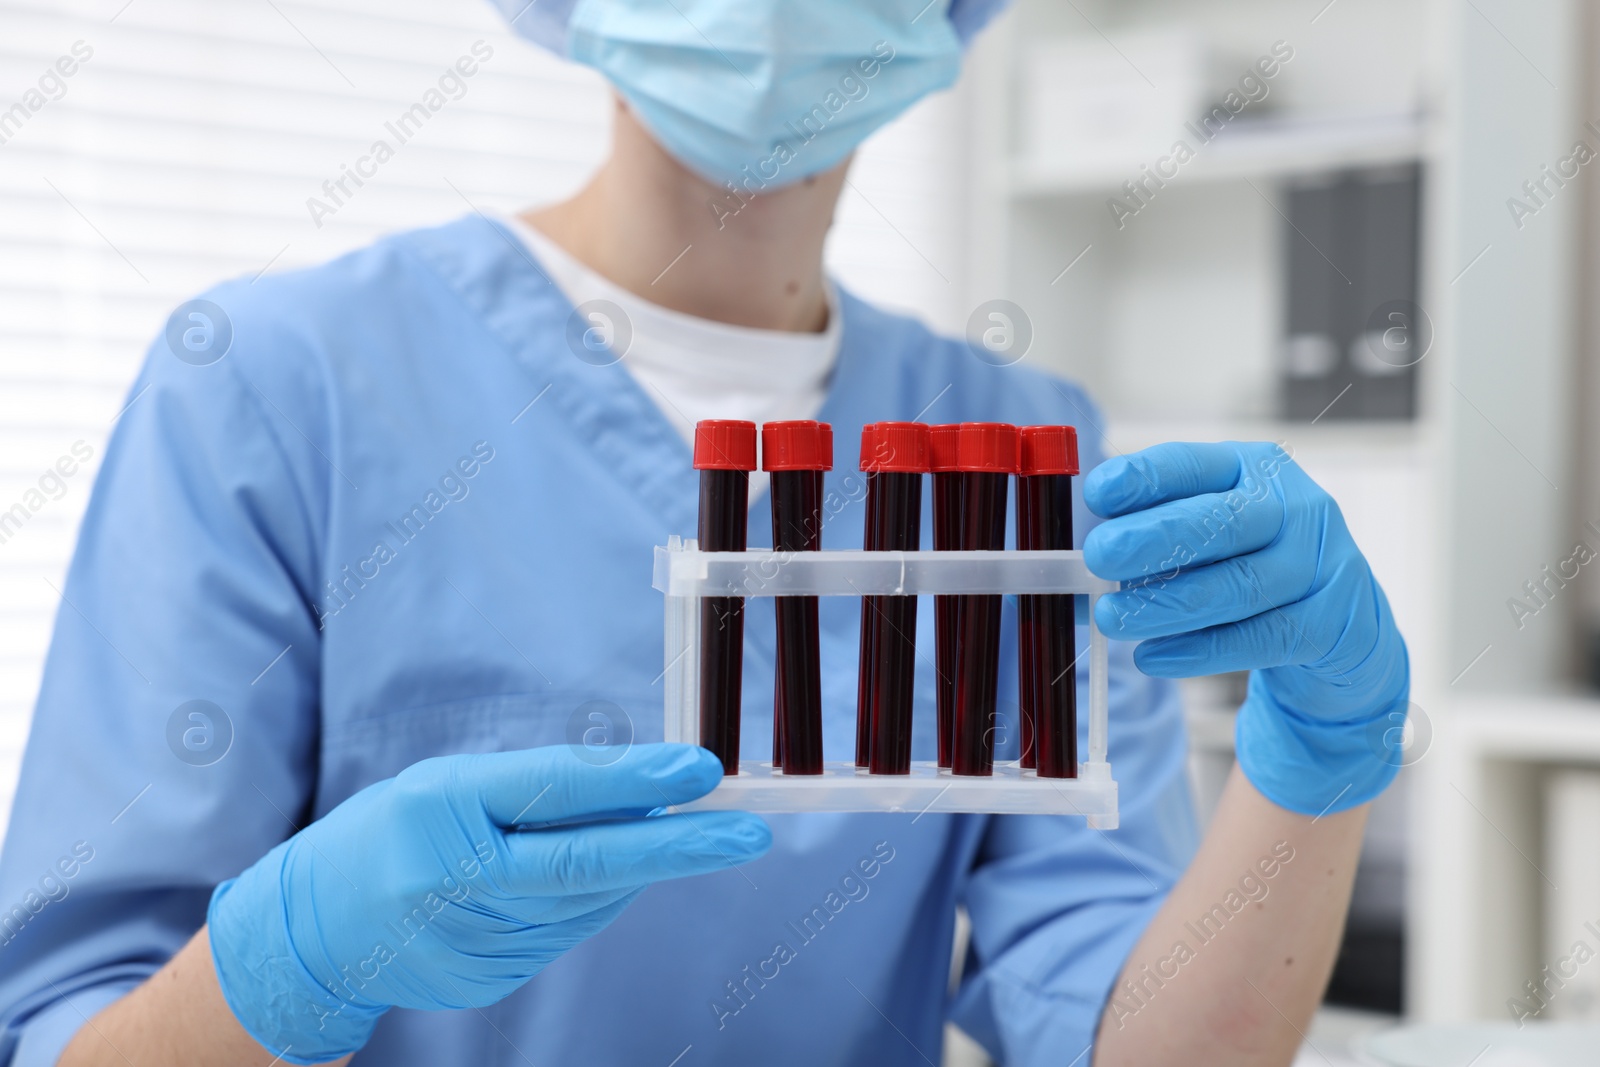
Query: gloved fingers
{"points": [[1158, 474], [480, 972], [537, 911], [614, 855], [1274, 638], [503, 912], [1219, 593], [1184, 533], [552, 784], [542, 945]]}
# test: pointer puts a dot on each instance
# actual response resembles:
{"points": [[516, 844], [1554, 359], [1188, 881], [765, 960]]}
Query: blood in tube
{"points": [[894, 456], [870, 538], [724, 454], [797, 453], [1047, 643], [1027, 624], [946, 618], [986, 457]]}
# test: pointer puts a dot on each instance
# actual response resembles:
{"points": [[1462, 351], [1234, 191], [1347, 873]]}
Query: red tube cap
{"points": [[1049, 450], [895, 448], [724, 445], [987, 447], [803, 445], [942, 447]]}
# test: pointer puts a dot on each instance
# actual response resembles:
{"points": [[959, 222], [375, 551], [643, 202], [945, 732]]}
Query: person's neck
{"points": [[663, 233]]}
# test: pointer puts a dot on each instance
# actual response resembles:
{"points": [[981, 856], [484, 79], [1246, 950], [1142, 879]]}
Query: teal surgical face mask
{"points": [[763, 93]]}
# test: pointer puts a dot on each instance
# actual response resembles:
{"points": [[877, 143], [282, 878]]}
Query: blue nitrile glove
{"points": [[418, 893], [1235, 560]]}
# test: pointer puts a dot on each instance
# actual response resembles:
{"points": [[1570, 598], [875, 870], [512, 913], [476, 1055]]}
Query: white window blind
{"points": [[183, 148]]}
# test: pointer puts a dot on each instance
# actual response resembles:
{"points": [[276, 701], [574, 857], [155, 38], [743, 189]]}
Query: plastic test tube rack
{"points": [[685, 575]]}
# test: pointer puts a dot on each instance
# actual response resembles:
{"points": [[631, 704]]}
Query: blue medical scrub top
{"points": [[401, 518]]}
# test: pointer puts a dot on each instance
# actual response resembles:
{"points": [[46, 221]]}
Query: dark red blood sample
{"points": [[1048, 676], [1027, 627], [797, 453], [724, 454], [946, 619], [870, 540], [895, 456], [986, 457]]}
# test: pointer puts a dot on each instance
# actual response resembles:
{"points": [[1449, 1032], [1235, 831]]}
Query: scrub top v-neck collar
{"points": [[699, 368], [607, 406]]}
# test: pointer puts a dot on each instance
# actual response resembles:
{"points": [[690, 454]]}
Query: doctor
{"points": [[300, 785]]}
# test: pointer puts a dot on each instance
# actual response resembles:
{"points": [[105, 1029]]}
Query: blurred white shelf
{"points": [[1480, 862], [1272, 147], [1534, 729]]}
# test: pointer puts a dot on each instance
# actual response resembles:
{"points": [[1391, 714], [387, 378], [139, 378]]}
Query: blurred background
{"points": [[1363, 228]]}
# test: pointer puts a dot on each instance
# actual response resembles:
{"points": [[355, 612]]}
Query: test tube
{"points": [[797, 453], [946, 619], [724, 454], [986, 457], [1027, 635], [870, 539], [894, 456], [1047, 647]]}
